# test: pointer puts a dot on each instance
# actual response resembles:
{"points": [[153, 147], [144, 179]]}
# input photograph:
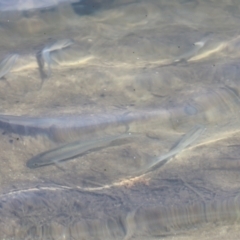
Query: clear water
{"points": [[119, 119]]}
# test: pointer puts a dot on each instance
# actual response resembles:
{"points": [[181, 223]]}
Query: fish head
{"points": [[35, 163]]}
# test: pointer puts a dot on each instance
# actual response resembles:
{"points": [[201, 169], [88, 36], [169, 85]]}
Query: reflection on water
{"points": [[97, 97]]}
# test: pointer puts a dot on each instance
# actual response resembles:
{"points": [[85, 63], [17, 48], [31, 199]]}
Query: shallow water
{"points": [[165, 73]]}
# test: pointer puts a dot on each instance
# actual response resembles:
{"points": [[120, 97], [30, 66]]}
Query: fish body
{"points": [[58, 45], [197, 46], [7, 64], [186, 140], [71, 150], [211, 108], [69, 126]]}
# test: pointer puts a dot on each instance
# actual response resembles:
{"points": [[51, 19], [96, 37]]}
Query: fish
{"points": [[71, 150], [185, 141], [211, 107], [7, 64], [67, 128], [197, 46], [58, 45]]}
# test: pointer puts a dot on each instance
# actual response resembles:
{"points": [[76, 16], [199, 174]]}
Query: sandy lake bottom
{"points": [[129, 113]]}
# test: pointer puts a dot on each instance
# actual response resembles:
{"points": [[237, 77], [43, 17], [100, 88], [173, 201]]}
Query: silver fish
{"points": [[58, 45], [218, 106], [72, 150], [197, 46], [187, 139], [7, 64], [68, 128]]}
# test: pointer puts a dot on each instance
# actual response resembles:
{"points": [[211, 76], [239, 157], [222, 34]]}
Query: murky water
{"points": [[119, 119]]}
